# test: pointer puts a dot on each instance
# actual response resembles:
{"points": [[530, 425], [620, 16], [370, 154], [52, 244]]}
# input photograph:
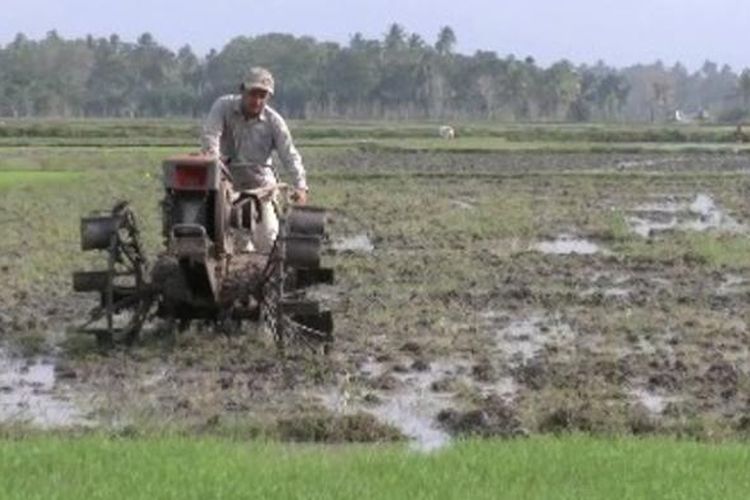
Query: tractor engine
{"points": [[196, 212]]}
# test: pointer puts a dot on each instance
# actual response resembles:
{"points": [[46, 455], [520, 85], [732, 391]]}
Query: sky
{"points": [[621, 33]]}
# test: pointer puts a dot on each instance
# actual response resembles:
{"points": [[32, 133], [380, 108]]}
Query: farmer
{"points": [[242, 128]]}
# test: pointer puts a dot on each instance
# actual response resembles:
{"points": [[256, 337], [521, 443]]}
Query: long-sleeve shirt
{"points": [[227, 133]]}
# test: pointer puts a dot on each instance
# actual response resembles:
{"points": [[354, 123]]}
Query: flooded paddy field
{"points": [[477, 293]]}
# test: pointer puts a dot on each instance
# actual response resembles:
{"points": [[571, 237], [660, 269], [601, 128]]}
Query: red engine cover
{"points": [[190, 177]]}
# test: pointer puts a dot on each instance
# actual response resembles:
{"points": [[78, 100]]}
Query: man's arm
{"points": [[288, 154], [213, 127]]}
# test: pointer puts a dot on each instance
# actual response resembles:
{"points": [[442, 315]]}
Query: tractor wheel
{"points": [[291, 317], [126, 297]]}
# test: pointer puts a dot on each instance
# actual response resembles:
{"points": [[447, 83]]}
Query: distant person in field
{"points": [[243, 129]]}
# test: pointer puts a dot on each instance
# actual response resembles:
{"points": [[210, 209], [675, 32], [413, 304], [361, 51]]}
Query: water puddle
{"points": [[654, 402], [646, 227], [359, 243], [710, 216], [607, 293], [732, 284], [645, 346], [28, 395], [675, 212], [412, 407], [622, 165], [505, 387], [632, 164], [463, 204], [325, 294], [618, 293], [608, 286], [523, 339], [670, 205], [567, 245]]}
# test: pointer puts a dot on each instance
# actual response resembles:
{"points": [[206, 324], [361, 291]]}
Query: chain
{"points": [[293, 331]]}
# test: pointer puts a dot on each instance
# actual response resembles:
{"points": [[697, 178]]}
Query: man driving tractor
{"points": [[243, 129]]}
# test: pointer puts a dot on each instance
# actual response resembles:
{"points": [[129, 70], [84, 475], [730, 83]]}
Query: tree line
{"points": [[401, 76]]}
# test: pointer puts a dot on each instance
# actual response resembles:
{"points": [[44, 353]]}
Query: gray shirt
{"points": [[226, 132]]}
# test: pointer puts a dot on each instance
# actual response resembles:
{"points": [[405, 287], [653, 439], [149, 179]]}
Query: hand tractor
{"points": [[203, 274]]}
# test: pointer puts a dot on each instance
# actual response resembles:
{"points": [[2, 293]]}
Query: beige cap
{"points": [[258, 78]]}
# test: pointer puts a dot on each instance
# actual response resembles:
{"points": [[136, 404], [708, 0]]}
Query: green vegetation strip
{"points": [[404, 144], [14, 178], [572, 467], [186, 131]]}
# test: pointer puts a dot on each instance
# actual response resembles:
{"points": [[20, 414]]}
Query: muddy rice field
{"points": [[483, 293]]}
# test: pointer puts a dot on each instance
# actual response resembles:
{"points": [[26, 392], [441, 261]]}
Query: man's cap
{"points": [[258, 78]]}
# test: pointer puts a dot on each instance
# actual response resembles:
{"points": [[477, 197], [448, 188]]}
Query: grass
{"points": [[726, 250], [560, 468], [21, 178], [710, 250]]}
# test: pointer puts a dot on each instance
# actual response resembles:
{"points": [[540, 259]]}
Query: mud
{"points": [[493, 418], [520, 340], [455, 317]]}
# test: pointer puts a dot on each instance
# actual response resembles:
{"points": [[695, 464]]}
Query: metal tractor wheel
{"points": [[125, 295], [294, 264]]}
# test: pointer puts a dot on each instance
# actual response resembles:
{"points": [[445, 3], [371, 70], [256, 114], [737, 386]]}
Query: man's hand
{"points": [[299, 196]]}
